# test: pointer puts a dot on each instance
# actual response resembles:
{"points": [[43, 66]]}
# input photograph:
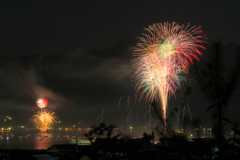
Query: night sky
{"points": [[77, 55]]}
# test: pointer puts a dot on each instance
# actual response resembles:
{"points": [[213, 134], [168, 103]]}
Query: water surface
{"points": [[27, 140]]}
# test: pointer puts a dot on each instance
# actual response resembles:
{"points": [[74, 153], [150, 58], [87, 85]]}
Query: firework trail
{"points": [[176, 113], [102, 115], [149, 108], [156, 121], [128, 102], [178, 118], [189, 110], [129, 115], [132, 118], [167, 111], [137, 115], [150, 118], [97, 119], [161, 59], [119, 101], [145, 115], [190, 114], [135, 101], [183, 111]]}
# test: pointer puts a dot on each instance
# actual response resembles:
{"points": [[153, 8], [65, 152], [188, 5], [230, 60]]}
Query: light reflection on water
{"points": [[26, 140]]}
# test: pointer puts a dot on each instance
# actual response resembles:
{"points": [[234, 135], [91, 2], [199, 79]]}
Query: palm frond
{"points": [[233, 78]]}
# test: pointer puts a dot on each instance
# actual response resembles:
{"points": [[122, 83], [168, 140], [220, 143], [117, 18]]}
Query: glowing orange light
{"points": [[43, 120]]}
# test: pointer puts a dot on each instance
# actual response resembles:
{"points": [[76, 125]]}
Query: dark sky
{"points": [[77, 54]]}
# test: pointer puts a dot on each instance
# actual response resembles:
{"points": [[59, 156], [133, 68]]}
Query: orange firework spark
{"points": [[44, 120]]}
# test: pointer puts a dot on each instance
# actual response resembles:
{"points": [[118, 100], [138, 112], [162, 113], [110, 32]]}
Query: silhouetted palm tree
{"points": [[218, 84]]}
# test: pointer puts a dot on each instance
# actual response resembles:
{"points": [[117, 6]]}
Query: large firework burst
{"points": [[162, 58], [43, 120]]}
